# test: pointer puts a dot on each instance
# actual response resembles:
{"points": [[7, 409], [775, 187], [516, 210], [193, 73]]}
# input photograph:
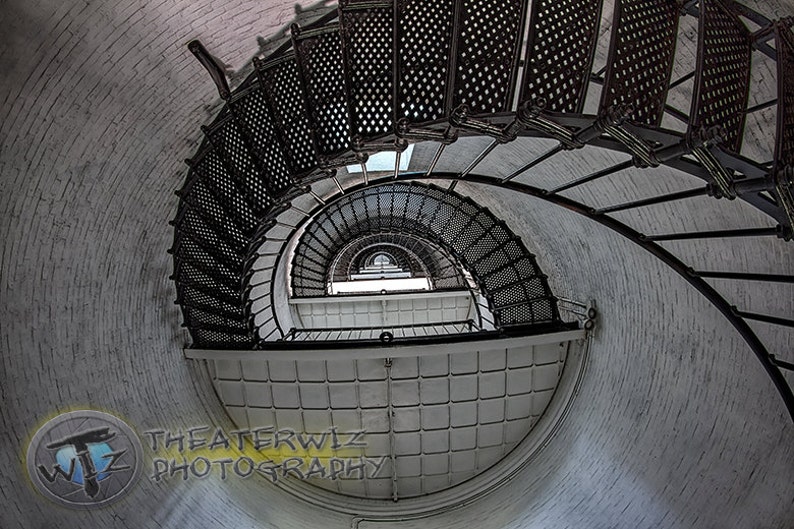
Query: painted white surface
{"points": [[676, 425]]}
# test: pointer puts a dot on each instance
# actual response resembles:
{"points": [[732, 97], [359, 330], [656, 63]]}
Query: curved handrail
{"points": [[670, 146]]}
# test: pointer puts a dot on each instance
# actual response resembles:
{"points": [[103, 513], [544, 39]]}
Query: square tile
{"points": [[548, 354], [375, 420], [405, 392], [409, 486], [407, 443], [489, 456], [463, 363], [493, 360], [491, 411], [435, 464], [519, 381], [239, 415], [254, 370], [373, 394], [231, 393], [462, 461], [341, 370], [346, 420], [540, 401], [437, 482], [313, 396], [343, 395], [258, 394], [463, 388], [545, 377], [520, 357], [435, 442], [515, 431], [311, 370], [409, 466], [371, 369], [435, 417], [406, 420], [285, 395], [261, 418], [463, 414], [317, 421], [404, 368], [489, 435], [492, 385], [434, 391], [227, 369], [282, 370], [435, 365], [519, 406]]}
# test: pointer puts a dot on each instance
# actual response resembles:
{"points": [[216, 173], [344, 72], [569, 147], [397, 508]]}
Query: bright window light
{"points": [[379, 285], [384, 161]]}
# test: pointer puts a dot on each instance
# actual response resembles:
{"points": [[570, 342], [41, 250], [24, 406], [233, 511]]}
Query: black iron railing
{"points": [[454, 75]]}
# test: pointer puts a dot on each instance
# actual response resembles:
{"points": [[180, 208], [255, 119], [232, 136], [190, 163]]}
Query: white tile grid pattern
{"points": [[453, 416]]}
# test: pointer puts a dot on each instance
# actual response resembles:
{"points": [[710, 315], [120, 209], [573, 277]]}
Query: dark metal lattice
{"points": [[560, 49], [236, 156], [422, 257], [256, 122], [641, 58], [784, 148], [499, 263], [722, 81], [367, 46], [225, 187], [783, 169], [488, 39], [319, 58], [285, 96], [424, 33]]}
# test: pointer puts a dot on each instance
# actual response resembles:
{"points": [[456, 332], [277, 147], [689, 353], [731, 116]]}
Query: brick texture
{"points": [[675, 426]]}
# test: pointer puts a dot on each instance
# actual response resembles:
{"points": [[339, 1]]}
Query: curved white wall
{"points": [[676, 424]]}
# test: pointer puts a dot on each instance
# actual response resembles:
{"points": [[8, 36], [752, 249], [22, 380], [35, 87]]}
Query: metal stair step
{"points": [[488, 37], [318, 53], [367, 34], [256, 126], [285, 96]]}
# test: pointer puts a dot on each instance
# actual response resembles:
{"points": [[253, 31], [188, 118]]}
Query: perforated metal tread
{"points": [[367, 37], [784, 149], [257, 125], [784, 144], [319, 58], [486, 63], [560, 50], [641, 58], [424, 47], [285, 94], [480, 243], [722, 81]]}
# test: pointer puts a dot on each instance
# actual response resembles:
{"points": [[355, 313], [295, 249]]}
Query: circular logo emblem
{"points": [[84, 459]]}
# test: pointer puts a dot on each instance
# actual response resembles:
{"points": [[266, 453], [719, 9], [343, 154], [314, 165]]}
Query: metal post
{"points": [[593, 176], [211, 65], [479, 158], [763, 317], [543, 157], [745, 232], [771, 278], [680, 195]]}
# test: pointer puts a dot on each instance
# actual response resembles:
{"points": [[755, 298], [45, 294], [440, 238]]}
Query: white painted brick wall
{"points": [[676, 426]]}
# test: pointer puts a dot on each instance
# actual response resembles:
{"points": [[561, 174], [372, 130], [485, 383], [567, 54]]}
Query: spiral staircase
{"points": [[268, 201]]}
